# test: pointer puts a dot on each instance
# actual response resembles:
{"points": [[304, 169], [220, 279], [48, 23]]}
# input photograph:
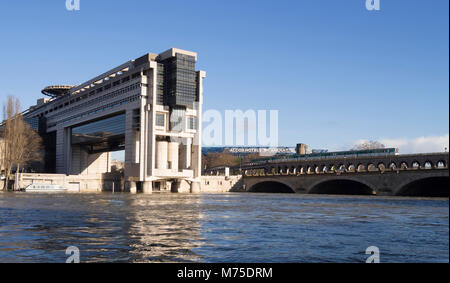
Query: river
{"points": [[232, 227]]}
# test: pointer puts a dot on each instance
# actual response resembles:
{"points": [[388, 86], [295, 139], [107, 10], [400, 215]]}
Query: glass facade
{"points": [[180, 81], [108, 130], [33, 122], [160, 85]]}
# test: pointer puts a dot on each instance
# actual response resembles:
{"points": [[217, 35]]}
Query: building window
{"points": [[177, 119], [160, 120], [192, 123]]}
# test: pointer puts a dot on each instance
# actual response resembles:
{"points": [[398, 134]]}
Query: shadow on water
{"points": [[428, 187]]}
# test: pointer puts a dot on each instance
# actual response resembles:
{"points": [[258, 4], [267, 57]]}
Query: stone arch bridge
{"points": [[408, 175]]}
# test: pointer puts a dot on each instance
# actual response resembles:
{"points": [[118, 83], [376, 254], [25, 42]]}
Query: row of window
{"points": [[93, 92], [100, 99], [177, 121], [99, 109]]}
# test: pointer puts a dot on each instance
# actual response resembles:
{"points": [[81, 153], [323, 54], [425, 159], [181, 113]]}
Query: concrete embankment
{"points": [[110, 182], [75, 183]]}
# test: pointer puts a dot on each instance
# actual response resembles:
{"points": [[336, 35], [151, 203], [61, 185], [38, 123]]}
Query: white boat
{"points": [[44, 188]]}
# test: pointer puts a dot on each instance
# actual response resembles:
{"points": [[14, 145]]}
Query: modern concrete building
{"points": [[150, 107]]}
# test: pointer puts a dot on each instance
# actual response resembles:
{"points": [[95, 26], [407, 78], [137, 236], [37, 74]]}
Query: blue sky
{"points": [[336, 72]]}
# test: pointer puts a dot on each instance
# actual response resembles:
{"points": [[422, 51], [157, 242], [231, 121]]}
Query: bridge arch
{"points": [[351, 168], [361, 168], [440, 164], [437, 186], [428, 165], [342, 187], [317, 170], [271, 187], [381, 166], [392, 166], [371, 167]]}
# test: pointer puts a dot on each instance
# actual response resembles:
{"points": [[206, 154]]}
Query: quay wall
{"points": [[106, 182], [75, 183], [221, 184]]}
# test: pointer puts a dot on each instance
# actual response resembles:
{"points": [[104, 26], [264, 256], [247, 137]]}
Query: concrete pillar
{"points": [[161, 154], [67, 149], [63, 150], [147, 187], [137, 145], [188, 151], [195, 187], [132, 146], [185, 154], [133, 187], [75, 168], [197, 142], [173, 155]]}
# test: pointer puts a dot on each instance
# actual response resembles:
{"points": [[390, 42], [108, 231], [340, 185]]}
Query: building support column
{"points": [[195, 187], [147, 187], [133, 187], [63, 150]]}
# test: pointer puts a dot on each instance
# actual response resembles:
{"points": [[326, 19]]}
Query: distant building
{"points": [[301, 149]]}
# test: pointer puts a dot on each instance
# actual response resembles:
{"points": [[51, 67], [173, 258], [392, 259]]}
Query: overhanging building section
{"points": [[150, 106]]}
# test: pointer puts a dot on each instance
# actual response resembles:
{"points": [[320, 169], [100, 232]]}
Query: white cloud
{"points": [[416, 145], [419, 145]]}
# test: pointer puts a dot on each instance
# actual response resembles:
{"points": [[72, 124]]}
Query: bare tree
{"points": [[32, 146], [368, 145], [21, 144]]}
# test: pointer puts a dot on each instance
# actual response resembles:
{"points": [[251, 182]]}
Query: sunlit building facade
{"points": [[149, 107]]}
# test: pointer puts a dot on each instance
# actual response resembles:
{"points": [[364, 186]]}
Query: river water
{"points": [[231, 227]]}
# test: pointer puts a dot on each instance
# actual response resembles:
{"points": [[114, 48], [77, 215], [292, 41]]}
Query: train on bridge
{"points": [[327, 155]]}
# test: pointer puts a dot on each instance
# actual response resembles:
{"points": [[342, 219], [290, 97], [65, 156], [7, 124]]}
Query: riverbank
{"points": [[114, 182]]}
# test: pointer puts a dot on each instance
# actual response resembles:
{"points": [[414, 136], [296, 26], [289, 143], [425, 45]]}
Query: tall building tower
{"points": [[150, 107]]}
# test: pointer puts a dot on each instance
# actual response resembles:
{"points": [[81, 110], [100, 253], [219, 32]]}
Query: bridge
{"points": [[398, 175]]}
